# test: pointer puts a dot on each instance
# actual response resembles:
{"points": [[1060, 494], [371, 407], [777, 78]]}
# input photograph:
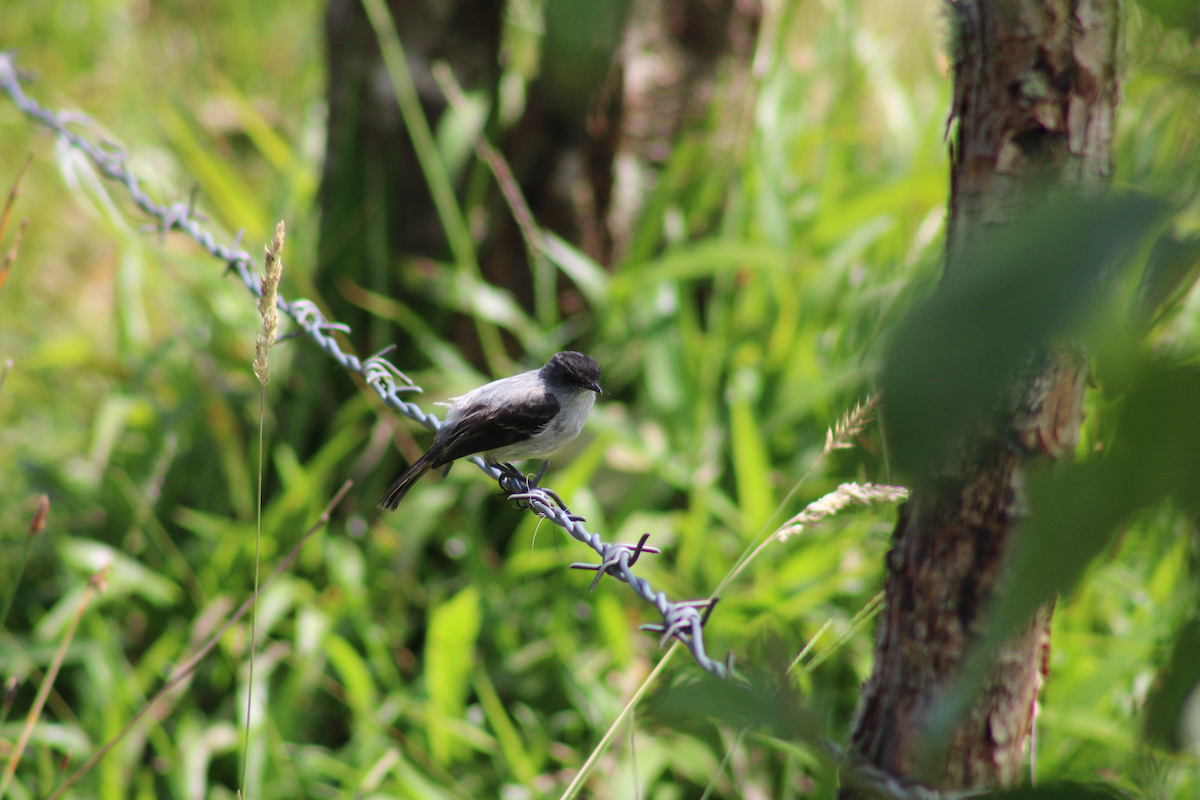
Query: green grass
{"points": [[444, 651]]}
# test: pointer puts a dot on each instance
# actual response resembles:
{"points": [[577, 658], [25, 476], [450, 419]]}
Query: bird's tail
{"points": [[405, 482]]}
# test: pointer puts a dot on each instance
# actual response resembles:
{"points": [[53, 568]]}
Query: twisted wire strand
{"points": [[683, 621]]}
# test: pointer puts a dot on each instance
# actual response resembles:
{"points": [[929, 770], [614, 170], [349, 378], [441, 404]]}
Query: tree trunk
{"points": [[1034, 98], [374, 199], [620, 83]]}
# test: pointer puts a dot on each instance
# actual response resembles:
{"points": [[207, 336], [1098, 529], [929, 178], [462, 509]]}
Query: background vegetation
{"points": [[444, 651]]}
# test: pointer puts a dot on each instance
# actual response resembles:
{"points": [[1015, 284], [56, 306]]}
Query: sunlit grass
{"points": [[746, 321]]}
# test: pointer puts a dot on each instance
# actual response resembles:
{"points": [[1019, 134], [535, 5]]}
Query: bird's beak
{"points": [[595, 387]]}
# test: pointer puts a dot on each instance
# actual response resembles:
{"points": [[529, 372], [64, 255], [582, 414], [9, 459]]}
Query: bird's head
{"points": [[571, 370]]}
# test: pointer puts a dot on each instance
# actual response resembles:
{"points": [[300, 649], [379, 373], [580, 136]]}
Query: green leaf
{"points": [[1061, 791], [588, 276], [762, 706], [449, 660], [1181, 14], [700, 261], [227, 191], [750, 460], [1171, 270], [1019, 288], [126, 576], [1077, 509], [355, 675], [511, 746], [1178, 682]]}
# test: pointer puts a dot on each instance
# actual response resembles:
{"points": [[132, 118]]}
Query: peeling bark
{"points": [[1035, 93]]}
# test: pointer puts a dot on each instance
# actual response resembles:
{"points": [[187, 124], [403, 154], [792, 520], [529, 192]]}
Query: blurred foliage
{"points": [[444, 651], [1021, 288]]}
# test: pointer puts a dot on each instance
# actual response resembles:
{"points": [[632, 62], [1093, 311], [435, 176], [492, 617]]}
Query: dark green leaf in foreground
{"points": [[1060, 791], [1183, 15], [1020, 287], [1171, 271], [1177, 683], [1077, 509], [759, 706]]}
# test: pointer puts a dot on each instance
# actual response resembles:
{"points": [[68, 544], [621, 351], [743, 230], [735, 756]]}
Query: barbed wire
{"points": [[683, 621]]}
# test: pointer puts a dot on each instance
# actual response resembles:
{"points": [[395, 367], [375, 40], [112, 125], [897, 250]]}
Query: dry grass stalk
{"points": [[6, 215], [267, 306], [96, 584], [187, 669], [846, 494], [850, 425]]}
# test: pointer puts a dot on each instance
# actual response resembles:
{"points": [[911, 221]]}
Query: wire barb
{"points": [[682, 621], [685, 623], [619, 556]]}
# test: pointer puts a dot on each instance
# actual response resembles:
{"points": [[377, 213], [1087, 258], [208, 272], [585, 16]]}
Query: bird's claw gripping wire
{"points": [[680, 620], [524, 489]]}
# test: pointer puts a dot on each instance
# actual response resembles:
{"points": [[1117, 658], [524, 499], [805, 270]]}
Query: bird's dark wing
{"points": [[487, 428]]}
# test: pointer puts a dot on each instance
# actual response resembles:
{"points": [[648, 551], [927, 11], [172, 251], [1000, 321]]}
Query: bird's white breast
{"points": [[566, 425]]}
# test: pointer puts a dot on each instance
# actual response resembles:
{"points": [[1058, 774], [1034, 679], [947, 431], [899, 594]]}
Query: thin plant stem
{"points": [[96, 583], [712, 781], [535, 246], [191, 665], [453, 222], [838, 438], [36, 526], [267, 308], [14, 192], [262, 406], [809, 645], [16, 580], [860, 620], [637, 789], [586, 770]]}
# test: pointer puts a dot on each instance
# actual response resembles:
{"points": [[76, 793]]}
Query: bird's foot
{"points": [[515, 482]]}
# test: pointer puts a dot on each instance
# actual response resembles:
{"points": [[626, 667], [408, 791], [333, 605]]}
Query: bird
{"points": [[529, 415]]}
